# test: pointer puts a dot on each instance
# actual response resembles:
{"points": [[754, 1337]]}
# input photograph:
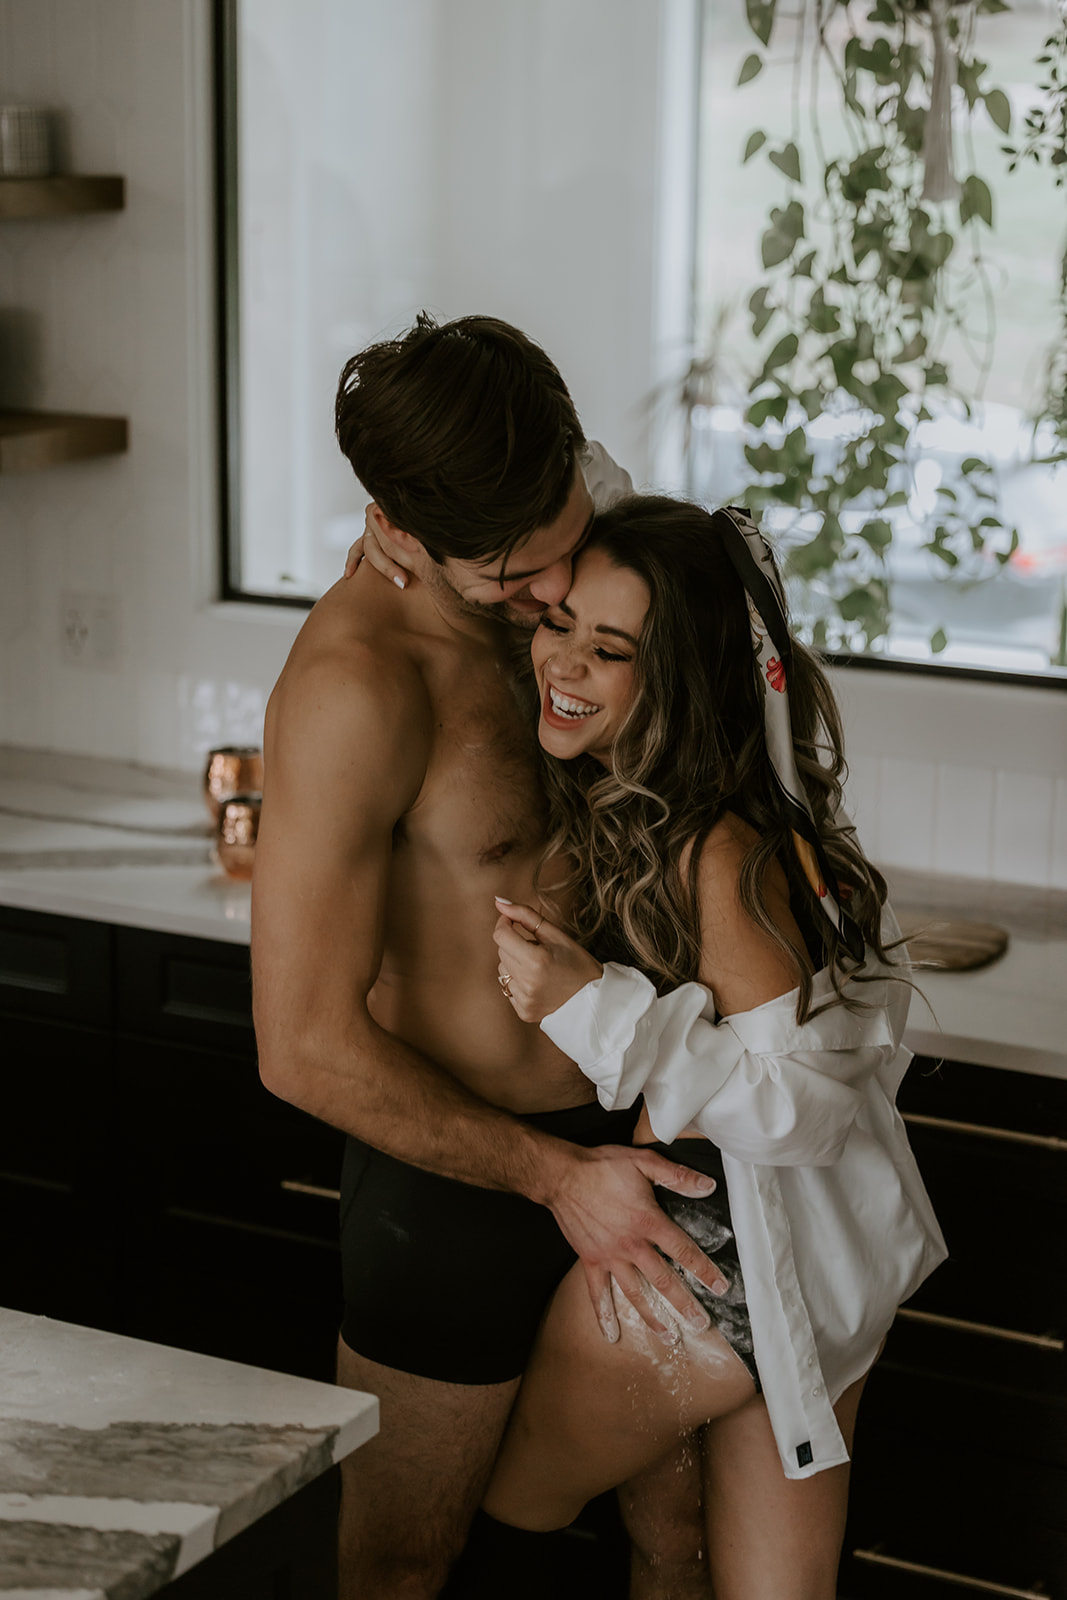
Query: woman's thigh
{"points": [[769, 1535], [592, 1414]]}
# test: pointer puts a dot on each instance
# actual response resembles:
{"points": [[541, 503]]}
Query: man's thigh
{"points": [[409, 1495]]}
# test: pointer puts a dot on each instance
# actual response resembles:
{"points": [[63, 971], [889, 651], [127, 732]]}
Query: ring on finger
{"points": [[504, 980]]}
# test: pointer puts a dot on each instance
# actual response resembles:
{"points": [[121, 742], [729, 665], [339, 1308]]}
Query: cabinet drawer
{"points": [[201, 1132], [959, 1513], [243, 1295], [56, 967], [986, 1097], [188, 990], [55, 1088], [1004, 1217]]}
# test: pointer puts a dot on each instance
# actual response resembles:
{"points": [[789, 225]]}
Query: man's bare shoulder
{"points": [[352, 695]]}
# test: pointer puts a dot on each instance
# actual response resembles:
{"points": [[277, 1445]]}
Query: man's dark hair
{"points": [[462, 432]]}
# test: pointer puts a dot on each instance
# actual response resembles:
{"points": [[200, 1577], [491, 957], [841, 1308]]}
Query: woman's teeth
{"points": [[564, 706]]}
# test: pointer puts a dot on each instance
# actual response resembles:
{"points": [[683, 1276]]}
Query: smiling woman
{"points": [[583, 656]]}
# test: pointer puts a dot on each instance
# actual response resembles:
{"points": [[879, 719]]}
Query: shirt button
{"points": [[817, 1389], [811, 1361]]}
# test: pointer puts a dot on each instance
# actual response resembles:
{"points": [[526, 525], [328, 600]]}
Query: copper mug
{"points": [[235, 834], [233, 769]]}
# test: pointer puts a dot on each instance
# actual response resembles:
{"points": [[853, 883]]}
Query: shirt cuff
{"points": [[596, 1026]]}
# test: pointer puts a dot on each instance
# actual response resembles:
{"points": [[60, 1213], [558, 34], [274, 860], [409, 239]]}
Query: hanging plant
{"points": [[1045, 143], [861, 285]]}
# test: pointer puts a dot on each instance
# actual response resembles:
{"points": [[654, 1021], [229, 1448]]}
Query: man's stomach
{"points": [[463, 1023]]}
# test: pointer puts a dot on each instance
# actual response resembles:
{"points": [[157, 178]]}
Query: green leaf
{"points": [[842, 355], [754, 142], [761, 311], [999, 107], [787, 160], [803, 267], [883, 12], [818, 555], [774, 405], [864, 605], [936, 375], [888, 391], [878, 534], [938, 641], [1004, 556], [761, 457], [976, 200], [775, 246], [975, 464], [760, 15], [914, 350], [991, 6], [751, 68], [783, 351]]}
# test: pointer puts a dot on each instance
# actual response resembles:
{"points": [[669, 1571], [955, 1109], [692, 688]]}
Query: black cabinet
{"points": [[959, 1483], [149, 1184]]}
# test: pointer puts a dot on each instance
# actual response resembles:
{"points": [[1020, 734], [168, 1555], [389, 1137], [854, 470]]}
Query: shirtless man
{"points": [[401, 795]]}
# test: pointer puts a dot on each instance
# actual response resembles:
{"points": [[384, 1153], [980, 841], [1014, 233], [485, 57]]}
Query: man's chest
{"points": [[482, 796]]}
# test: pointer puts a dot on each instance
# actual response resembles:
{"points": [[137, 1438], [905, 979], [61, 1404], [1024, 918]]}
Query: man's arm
{"points": [[346, 747]]}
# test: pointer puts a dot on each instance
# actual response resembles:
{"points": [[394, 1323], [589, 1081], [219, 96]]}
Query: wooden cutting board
{"points": [[953, 946]]}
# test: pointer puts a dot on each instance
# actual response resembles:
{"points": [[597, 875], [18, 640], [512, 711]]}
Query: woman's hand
{"points": [[540, 965], [368, 547]]}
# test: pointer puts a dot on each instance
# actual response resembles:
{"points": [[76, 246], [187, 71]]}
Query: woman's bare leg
{"points": [[771, 1537], [663, 1513], [591, 1415]]}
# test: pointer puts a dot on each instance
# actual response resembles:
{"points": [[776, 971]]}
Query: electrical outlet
{"points": [[89, 629]]}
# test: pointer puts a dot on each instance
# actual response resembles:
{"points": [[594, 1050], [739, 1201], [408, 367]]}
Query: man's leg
{"points": [[408, 1496]]}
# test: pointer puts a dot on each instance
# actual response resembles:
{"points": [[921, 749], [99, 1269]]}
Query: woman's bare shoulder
{"points": [[723, 851]]}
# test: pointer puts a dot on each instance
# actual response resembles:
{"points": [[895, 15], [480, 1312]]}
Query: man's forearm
{"points": [[388, 1094]]}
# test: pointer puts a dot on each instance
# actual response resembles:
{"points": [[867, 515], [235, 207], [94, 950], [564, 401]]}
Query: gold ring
{"points": [[504, 978], [540, 919]]}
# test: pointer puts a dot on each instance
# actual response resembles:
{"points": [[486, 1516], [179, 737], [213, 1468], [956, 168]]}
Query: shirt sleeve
{"points": [[764, 1088], [604, 478]]}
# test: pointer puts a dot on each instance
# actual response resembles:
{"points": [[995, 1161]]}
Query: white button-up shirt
{"points": [[834, 1227]]}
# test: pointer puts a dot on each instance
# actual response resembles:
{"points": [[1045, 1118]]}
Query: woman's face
{"points": [[583, 656]]}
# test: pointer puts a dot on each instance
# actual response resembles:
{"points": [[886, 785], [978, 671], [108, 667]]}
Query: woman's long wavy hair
{"points": [[691, 749]]}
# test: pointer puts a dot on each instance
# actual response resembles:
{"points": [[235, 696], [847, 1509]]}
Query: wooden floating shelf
{"points": [[59, 197], [33, 439]]}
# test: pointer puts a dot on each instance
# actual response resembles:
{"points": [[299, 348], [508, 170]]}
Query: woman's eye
{"points": [[606, 655], [553, 627]]}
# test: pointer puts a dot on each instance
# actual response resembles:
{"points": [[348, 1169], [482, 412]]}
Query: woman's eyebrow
{"points": [[601, 627]]}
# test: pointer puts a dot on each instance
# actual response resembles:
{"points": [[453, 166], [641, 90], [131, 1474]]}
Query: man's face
{"points": [[536, 574]]}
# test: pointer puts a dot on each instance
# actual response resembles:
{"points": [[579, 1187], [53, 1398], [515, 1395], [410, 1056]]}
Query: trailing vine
{"points": [[861, 285]]}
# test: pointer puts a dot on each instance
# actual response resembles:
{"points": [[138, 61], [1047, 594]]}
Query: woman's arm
{"points": [[765, 1089]]}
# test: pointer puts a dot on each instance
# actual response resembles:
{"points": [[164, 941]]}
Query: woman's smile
{"points": [[583, 656], [566, 708]]}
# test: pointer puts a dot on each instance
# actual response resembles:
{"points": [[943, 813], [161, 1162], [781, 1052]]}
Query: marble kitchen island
{"points": [[124, 1465]]}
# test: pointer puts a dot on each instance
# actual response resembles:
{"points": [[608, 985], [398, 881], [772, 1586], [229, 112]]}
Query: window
{"points": [[382, 156], [1011, 619]]}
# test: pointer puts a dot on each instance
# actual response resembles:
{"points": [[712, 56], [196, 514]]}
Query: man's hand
{"points": [[606, 1209], [368, 548], [541, 967]]}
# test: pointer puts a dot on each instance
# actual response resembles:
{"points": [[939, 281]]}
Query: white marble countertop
{"points": [[122, 1463], [113, 843], [116, 843]]}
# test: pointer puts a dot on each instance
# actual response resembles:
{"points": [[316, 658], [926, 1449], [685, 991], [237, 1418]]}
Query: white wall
{"points": [[114, 313]]}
